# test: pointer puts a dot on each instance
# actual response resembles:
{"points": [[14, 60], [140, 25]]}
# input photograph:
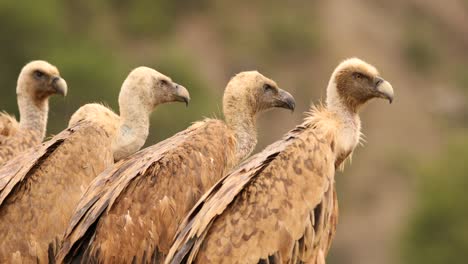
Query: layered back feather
{"points": [[13, 140], [8, 125], [130, 213], [279, 206], [40, 188]]}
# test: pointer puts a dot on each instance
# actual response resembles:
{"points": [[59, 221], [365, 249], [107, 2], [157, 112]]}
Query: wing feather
{"points": [[130, 182], [8, 125], [16, 170], [42, 186], [220, 196], [273, 207], [13, 140]]}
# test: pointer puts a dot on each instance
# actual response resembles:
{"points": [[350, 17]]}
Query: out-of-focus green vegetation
{"points": [[420, 41], [438, 229], [96, 43], [201, 44], [91, 54], [461, 77]]}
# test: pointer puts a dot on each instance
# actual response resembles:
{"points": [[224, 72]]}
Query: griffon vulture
{"points": [[130, 213], [280, 205], [40, 189], [37, 81]]}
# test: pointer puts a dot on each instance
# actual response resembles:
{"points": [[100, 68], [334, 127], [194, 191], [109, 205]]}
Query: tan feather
{"points": [[37, 195], [39, 190], [280, 205], [160, 184], [264, 194], [13, 140], [147, 186], [32, 91], [8, 125]]}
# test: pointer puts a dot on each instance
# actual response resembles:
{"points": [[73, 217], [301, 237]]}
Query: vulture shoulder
{"points": [[132, 210], [279, 206], [13, 140], [99, 114], [40, 188], [8, 125]]}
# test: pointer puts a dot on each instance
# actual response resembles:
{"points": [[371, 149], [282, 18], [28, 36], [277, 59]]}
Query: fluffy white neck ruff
{"points": [[33, 115], [132, 132], [349, 131]]}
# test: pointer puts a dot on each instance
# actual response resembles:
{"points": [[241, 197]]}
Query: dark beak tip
{"points": [[57, 88], [291, 104], [286, 100], [60, 92]]}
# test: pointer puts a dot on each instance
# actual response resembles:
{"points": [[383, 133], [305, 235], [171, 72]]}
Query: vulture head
{"points": [[148, 88], [141, 92], [251, 92], [38, 80], [354, 82], [246, 95]]}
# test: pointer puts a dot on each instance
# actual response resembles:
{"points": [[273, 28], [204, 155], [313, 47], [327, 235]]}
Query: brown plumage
{"points": [[280, 205], [39, 189], [131, 211], [37, 81]]}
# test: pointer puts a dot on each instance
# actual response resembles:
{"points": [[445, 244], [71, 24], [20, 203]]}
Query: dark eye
{"points": [[163, 82], [267, 87], [358, 75], [38, 74]]}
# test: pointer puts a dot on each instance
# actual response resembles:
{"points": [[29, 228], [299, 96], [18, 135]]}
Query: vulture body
{"points": [[280, 206], [40, 188], [130, 213], [37, 81]]}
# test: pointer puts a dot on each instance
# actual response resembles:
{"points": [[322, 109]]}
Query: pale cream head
{"points": [[38, 80], [251, 92], [148, 88], [246, 95], [141, 92]]}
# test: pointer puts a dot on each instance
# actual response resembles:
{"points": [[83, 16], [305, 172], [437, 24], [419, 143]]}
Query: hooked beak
{"points": [[60, 86], [384, 89], [285, 100], [181, 94]]}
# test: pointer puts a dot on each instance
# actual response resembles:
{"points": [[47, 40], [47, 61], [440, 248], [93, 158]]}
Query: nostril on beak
{"points": [[55, 79], [378, 81]]}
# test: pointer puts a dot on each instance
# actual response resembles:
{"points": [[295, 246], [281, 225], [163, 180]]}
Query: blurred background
{"points": [[403, 199]]}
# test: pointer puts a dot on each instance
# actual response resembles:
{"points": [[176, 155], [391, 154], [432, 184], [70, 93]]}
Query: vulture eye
{"points": [[163, 82], [267, 87], [358, 75], [38, 74]]}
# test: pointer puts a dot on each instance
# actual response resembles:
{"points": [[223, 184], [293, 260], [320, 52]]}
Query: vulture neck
{"points": [[245, 130], [132, 132], [348, 132], [33, 114]]}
